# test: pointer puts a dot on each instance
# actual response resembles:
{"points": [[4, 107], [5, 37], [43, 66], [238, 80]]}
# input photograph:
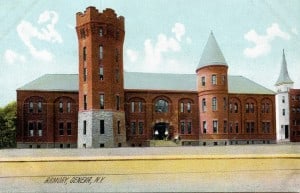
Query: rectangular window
{"points": [[61, 109], [188, 107], [101, 126], [225, 126], [203, 80], [283, 99], [247, 127], [133, 128], [225, 103], [252, 127], [101, 101], [40, 129], [132, 107], [69, 128], [181, 107], [30, 129], [141, 128], [119, 127], [215, 126], [214, 103], [101, 73], [189, 127], [30, 107], [118, 102], [84, 127], [214, 79], [203, 105], [84, 74], [39, 107], [140, 104], [84, 53], [84, 102], [230, 128], [68, 107], [61, 128], [101, 145], [101, 52], [204, 126], [223, 79], [182, 125], [236, 127], [283, 112]]}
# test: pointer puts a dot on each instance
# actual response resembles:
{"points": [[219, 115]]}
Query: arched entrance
{"points": [[161, 131]]}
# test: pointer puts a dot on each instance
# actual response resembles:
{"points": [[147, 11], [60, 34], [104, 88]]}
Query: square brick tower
{"points": [[101, 116]]}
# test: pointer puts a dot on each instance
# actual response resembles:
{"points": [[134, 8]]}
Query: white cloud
{"points": [[27, 32], [179, 30], [12, 57], [294, 31], [188, 40], [263, 42], [133, 55]]}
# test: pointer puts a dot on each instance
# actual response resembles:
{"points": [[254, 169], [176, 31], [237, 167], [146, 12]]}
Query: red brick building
{"points": [[106, 107], [294, 105]]}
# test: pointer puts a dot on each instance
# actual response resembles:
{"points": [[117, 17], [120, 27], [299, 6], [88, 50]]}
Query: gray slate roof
{"points": [[284, 77], [146, 81], [212, 54]]}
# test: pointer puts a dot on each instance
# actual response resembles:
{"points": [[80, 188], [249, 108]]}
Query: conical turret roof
{"points": [[284, 77], [212, 54]]}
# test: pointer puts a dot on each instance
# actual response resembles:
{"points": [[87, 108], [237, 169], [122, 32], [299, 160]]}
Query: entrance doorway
{"points": [[286, 131], [161, 131]]}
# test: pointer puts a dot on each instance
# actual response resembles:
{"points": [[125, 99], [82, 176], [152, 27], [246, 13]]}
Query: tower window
{"points": [[84, 74], [84, 102], [283, 99], [101, 73], [84, 127], [61, 109], [101, 52], [101, 126], [203, 80], [101, 101], [223, 79], [214, 79], [215, 126], [119, 127], [214, 103], [40, 129], [61, 128], [118, 102], [283, 112], [84, 53]]}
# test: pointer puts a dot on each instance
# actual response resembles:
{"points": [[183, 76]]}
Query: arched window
{"points": [[236, 107], [161, 106]]}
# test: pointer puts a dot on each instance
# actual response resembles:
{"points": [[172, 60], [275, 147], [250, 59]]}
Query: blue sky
{"points": [[38, 37]]}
